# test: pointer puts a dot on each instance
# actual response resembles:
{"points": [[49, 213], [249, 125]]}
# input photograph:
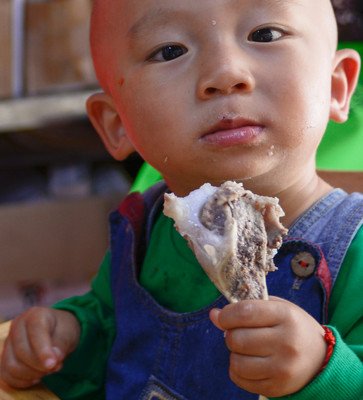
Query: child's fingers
{"points": [[252, 342], [250, 367], [252, 314], [253, 386], [20, 383], [30, 337], [16, 372], [214, 317], [19, 344], [41, 344]]}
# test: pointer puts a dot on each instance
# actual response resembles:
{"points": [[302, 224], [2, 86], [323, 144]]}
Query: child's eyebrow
{"points": [[281, 3], [150, 20]]}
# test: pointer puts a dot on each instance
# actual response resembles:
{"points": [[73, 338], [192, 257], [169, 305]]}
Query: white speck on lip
{"points": [[214, 22], [166, 159]]}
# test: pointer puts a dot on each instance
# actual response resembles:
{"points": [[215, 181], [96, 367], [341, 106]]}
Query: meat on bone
{"points": [[234, 234]]}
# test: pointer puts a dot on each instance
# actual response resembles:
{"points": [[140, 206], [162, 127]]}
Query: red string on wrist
{"points": [[330, 341]]}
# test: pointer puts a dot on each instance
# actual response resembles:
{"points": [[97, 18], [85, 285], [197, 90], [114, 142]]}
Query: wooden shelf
{"points": [[36, 112]]}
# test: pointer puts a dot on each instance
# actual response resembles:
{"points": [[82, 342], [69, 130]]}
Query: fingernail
{"points": [[50, 363], [215, 311]]}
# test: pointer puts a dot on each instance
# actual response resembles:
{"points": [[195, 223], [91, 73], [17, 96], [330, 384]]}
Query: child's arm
{"points": [[37, 344]]}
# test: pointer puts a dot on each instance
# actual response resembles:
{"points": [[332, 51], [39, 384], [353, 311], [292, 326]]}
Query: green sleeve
{"points": [[343, 377], [83, 374], [146, 177]]}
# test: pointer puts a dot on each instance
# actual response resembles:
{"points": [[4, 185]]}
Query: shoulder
{"points": [[136, 203]]}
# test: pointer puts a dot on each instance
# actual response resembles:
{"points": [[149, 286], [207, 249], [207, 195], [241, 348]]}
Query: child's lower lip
{"points": [[235, 136]]}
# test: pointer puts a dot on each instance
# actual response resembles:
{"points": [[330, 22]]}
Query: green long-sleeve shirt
{"points": [[83, 376]]}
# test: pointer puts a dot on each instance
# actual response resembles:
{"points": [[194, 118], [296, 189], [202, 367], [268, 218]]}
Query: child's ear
{"points": [[105, 119], [344, 80]]}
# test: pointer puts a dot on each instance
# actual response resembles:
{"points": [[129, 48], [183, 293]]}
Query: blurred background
{"points": [[57, 183]]}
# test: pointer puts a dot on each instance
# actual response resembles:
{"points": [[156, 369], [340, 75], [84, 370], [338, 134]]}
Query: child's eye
{"points": [[265, 35], [168, 53]]}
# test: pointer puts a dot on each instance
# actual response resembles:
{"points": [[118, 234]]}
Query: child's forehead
{"points": [[120, 18], [159, 7], [139, 12]]}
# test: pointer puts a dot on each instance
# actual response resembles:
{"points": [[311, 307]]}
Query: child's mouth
{"points": [[227, 133]]}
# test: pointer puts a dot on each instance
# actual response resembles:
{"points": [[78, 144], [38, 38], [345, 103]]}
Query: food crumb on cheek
{"points": [[271, 151]]}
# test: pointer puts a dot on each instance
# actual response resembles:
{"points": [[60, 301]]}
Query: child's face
{"points": [[210, 90]]}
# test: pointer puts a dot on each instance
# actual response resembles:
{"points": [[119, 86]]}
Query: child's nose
{"points": [[224, 77]]}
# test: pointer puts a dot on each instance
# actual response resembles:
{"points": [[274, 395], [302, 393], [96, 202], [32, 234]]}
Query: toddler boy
{"points": [[209, 91]]}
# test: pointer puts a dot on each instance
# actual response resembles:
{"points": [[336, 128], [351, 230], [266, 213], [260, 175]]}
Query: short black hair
{"points": [[349, 15]]}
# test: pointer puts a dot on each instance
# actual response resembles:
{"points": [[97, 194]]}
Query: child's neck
{"points": [[300, 196]]}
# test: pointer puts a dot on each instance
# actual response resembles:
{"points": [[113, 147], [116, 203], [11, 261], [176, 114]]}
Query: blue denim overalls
{"points": [[159, 354]]}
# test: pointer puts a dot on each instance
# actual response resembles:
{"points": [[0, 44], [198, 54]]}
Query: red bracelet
{"points": [[330, 340]]}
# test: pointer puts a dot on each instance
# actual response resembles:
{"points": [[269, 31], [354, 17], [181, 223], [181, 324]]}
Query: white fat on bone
{"points": [[234, 234]]}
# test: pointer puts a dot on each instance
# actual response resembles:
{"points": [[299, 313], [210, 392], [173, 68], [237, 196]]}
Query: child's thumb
{"points": [[214, 317]]}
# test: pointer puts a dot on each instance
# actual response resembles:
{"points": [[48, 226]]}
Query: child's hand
{"points": [[276, 347], [38, 342]]}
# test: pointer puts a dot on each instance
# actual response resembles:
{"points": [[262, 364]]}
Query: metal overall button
{"points": [[303, 264]]}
